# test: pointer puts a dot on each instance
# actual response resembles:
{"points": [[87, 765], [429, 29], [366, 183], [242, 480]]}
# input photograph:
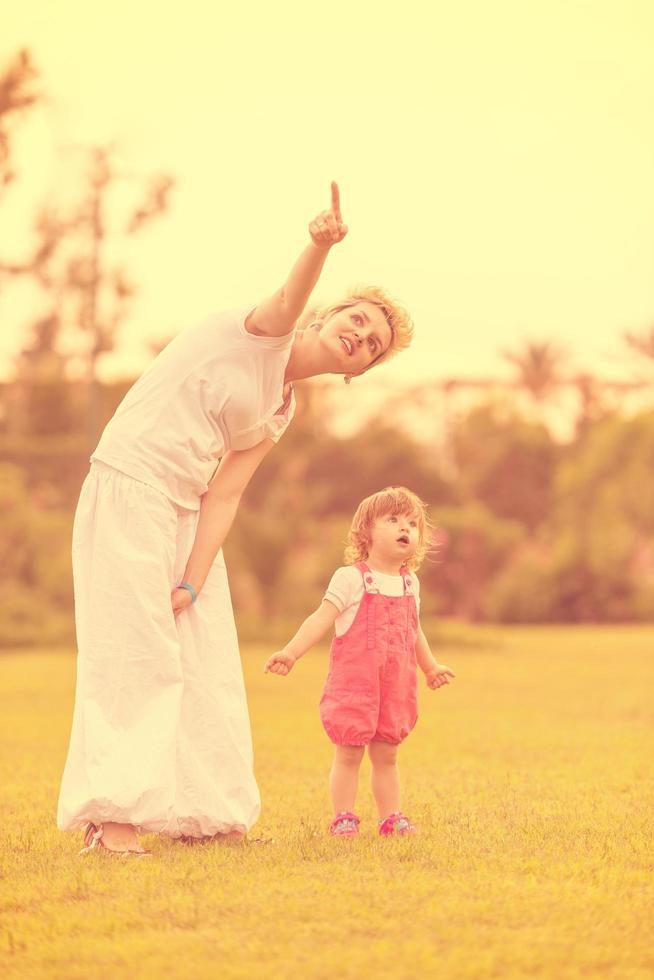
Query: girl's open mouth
{"points": [[347, 344]]}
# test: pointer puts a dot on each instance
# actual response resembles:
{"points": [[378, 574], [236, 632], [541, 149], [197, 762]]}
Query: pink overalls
{"points": [[371, 689]]}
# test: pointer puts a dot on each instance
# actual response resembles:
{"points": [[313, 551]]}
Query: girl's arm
{"points": [[435, 673], [277, 315], [217, 512], [312, 629]]}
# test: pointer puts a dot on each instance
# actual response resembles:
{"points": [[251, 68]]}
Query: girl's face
{"points": [[355, 337], [395, 536]]}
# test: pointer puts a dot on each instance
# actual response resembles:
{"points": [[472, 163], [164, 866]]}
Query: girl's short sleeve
{"points": [[345, 587]]}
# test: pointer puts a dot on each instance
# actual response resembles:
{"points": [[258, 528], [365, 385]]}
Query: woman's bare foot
{"points": [[121, 837]]}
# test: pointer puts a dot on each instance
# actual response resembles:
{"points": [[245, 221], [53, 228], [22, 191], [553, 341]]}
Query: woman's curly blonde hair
{"points": [[397, 317], [388, 502]]}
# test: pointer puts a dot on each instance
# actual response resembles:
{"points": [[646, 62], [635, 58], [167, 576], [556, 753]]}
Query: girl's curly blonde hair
{"points": [[388, 502], [397, 317]]}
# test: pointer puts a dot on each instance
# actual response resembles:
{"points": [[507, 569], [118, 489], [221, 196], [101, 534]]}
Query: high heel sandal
{"points": [[93, 841]]}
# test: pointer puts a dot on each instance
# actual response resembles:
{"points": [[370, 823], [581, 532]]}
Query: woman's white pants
{"points": [[161, 733]]}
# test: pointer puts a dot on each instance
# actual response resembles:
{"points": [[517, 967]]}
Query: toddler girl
{"points": [[370, 696]]}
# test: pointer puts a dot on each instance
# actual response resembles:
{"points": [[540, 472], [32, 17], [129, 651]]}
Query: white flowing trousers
{"points": [[161, 733]]}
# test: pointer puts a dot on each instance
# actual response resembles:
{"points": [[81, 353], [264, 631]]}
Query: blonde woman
{"points": [[161, 738]]}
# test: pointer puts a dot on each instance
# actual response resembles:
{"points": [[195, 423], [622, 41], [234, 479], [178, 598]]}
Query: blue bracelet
{"points": [[189, 588]]}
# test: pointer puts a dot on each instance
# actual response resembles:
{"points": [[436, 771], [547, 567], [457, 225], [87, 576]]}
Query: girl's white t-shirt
{"points": [[345, 591], [215, 387]]}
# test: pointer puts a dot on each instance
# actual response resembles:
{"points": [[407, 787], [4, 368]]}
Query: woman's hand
{"points": [[181, 599], [328, 228], [279, 663]]}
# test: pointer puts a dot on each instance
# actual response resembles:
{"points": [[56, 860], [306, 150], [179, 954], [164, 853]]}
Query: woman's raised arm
{"points": [[277, 315]]}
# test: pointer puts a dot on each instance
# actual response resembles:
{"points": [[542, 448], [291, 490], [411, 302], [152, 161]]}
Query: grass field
{"points": [[530, 777]]}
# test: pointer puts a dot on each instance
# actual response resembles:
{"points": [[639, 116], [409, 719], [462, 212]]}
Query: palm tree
{"points": [[642, 343], [538, 366], [17, 93]]}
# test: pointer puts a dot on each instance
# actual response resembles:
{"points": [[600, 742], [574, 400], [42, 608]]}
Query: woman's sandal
{"points": [[93, 841]]}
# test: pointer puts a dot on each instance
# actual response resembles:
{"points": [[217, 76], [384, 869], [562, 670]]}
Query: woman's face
{"points": [[355, 337]]}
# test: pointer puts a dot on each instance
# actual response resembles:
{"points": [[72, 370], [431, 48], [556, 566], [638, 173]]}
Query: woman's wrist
{"points": [[321, 247]]}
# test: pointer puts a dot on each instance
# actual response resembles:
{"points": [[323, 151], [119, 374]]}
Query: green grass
{"points": [[530, 777]]}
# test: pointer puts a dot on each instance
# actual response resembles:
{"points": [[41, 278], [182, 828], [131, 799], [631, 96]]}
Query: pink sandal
{"points": [[345, 824], [396, 823], [93, 841]]}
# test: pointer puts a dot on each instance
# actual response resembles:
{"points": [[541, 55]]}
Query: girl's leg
{"points": [[385, 777], [344, 777]]}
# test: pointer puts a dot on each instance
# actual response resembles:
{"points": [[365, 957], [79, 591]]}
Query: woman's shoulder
{"points": [[260, 340]]}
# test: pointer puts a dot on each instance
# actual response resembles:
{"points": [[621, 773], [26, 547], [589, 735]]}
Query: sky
{"points": [[495, 162]]}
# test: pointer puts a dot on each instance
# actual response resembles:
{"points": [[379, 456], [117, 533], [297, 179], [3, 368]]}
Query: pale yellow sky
{"points": [[496, 161]]}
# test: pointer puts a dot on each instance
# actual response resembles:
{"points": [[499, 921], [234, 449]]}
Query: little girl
{"points": [[370, 696]]}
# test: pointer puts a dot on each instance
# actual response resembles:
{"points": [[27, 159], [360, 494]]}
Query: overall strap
{"points": [[367, 576], [369, 588], [408, 581]]}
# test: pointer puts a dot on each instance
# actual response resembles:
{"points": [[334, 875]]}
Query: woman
{"points": [[161, 737]]}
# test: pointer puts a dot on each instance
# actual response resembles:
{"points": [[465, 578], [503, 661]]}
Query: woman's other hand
{"points": [[327, 228], [181, 599]]}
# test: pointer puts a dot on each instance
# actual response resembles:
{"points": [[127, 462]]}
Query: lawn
{"points": [[530, 778]]}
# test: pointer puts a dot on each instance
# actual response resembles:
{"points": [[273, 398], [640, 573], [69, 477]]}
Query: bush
{"points": [[526, 591], [473, 545], [29, 618]]}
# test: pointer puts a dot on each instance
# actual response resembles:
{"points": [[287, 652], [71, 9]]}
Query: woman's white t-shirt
{"points": [[215, 387], [345, 591]]}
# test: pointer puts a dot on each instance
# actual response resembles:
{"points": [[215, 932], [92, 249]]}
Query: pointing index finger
{"points": [[336, 201]]}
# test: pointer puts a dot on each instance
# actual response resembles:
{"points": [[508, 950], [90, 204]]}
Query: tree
{"points": [[642, 343], [505, 462], [81, 289], [17, 94], [538, 365], [97, 290]]}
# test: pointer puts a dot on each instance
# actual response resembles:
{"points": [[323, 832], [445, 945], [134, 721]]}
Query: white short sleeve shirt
{"points": [[215, 387], [345, 591]]}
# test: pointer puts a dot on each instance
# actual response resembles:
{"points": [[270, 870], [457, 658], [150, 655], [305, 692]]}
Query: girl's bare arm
{"points": [[310, 632], [435, 673]]}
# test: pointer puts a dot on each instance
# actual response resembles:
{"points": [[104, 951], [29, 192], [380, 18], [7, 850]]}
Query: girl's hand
{"points": [[279, 663], [328, 228], [438, 676], [181, 599]]}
